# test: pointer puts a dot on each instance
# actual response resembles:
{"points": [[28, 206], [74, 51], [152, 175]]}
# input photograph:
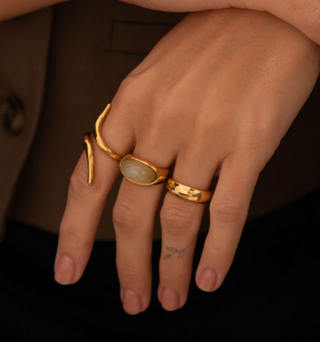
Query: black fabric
{"points": [[270, 294]]}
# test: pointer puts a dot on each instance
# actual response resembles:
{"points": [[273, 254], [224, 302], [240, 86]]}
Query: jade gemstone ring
{"points": [[141, 172]]}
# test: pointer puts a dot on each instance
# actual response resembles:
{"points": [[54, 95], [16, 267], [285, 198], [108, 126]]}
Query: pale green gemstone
{"points": [[138, 172]]}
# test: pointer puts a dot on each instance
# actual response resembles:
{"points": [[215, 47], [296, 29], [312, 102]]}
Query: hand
{"points": [[302, 14], [213, 98]]}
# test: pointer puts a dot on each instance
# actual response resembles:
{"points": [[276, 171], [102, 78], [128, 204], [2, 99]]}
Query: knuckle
{"points": [[73, 237], [228, 210], [129, 275], [175, 220], [173, 275], [223, 252], [128, 95], [312, 19], [129, 88], [78, 182], [255, 127], [78, 185], [124, 89], [126, 217]]}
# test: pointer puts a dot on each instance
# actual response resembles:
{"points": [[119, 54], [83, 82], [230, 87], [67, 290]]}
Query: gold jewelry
{"points": [[88, 148], [187, 193], [141, 172], [98, 137]]}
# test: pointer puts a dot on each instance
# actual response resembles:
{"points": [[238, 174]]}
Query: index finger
{"points": [[85, 203]]}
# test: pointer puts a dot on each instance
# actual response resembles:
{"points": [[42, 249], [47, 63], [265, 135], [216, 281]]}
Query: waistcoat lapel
{"points": [[24, 45]]}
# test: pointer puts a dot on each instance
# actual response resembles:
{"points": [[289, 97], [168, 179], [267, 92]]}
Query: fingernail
{"points": [[170, 300], [64, 270], [131, 302], [207, 281]]}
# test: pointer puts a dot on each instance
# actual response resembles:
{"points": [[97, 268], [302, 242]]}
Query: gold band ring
{"points": [[98, 137], [187, 193], [141, 172]]}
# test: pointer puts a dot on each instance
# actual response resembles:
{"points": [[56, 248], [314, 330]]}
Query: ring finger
{"points": [[180, 222]]}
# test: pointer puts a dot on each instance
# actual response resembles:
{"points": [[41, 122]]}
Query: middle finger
{"points": [[133, 218]]}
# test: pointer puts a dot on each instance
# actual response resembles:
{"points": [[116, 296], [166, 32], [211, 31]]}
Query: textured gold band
{"points": [[187, 193], [141, 172]]}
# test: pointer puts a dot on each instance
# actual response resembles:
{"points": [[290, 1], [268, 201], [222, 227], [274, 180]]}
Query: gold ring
{"points": [[88, 148], [98, 137], [187, 193], [141, 172]]}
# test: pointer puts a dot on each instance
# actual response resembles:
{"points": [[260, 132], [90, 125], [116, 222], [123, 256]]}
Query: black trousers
{"points": [[272, 292]]}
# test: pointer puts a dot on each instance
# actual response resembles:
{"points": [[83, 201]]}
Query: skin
{"points": [[304, 15], [213, 98]]}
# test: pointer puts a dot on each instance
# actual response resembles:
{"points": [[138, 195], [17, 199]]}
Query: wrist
{"points": [[240, 26]]}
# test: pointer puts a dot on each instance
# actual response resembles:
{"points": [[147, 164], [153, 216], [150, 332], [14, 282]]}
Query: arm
{"points": [[213, 98], [13, 8], [304, 14]]}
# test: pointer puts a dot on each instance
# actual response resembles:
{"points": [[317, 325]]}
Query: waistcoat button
{"points": [[12, 114]]}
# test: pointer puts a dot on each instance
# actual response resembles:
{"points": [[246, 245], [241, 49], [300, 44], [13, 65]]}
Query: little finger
{"points": [[228, 212]]}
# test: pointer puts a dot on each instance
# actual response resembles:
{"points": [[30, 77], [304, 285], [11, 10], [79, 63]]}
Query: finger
{"points": [[180, 222], [85, 203], [228, 212], [133, 217]]}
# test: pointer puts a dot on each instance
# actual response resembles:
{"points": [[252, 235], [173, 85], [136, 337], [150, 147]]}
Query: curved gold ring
{"points": [[187, 193], [88, 148], [141, 172], [98, 137]]}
